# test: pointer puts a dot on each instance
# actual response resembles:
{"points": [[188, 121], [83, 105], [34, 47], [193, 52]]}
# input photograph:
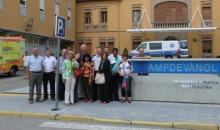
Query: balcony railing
{"points": [[96, 28], [171, 24]]}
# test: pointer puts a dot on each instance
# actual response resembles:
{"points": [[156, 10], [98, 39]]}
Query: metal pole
{"points": [[57, 74]]}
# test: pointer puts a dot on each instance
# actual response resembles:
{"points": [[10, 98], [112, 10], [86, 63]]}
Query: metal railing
{"points": [[171, 24]]}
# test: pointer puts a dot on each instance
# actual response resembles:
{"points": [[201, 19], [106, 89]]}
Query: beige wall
{"points": [[12, 20], [120, 19]]}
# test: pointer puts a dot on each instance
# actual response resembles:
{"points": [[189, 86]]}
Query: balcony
{"points": [[183, 24], [96, 28]]}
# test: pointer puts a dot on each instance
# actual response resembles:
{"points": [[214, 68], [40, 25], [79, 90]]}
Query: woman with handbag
{"points": [[105, 71], [125, 73], [68, 78]]}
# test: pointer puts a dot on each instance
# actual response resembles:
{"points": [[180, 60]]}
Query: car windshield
{"points": [[144, 45], [183, 44]]}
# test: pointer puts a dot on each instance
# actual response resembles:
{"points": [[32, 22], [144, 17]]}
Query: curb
{"points": [[37, 115], [111, 121], [153, 124], [195, 126], [78, 118], [74, 118]]}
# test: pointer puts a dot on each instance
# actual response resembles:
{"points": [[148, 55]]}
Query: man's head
{"points": [[106, 50], [98, 50], [64, 52], [48, 52], [26, 53], [83, 48], [115, 51], [35, 51], [141, 51]]}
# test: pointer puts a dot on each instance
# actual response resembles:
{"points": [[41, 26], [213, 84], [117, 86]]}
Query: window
{"points": [[184, 44], [103, 16], [207, 46], [69, 12], [102, 45], [89, 47], [23, 2], [87, 42], [136, 12], [23, 7], [155, 46], [42, 10], [107, 42], [88, 17], [1, 4], [42, 5], [206, 10], [136, 43], [144, 45], [57, 7]]}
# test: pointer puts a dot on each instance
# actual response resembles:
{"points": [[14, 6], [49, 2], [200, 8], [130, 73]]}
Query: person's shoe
{"points": [[45, 99], [31, 101], [122, 101], [38, 100], [129, 101], [67, 104], [61, 100], [117, 99]]}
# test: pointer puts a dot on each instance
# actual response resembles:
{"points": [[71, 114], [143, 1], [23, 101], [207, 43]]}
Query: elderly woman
{"points": [[68, 77]]}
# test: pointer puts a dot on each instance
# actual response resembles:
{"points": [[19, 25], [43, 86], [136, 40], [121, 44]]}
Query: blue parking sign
{"points": [[60, 26]]}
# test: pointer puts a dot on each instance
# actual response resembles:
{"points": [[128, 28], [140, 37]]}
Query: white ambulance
{"points": [[167, 49]]}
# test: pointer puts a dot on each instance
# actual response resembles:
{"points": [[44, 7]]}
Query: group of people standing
{"points": [[78, 75]]}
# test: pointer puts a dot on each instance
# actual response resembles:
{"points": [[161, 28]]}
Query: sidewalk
{"points": [[172, 115]]}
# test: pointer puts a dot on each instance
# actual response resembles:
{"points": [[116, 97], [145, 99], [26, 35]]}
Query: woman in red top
{"points": [[87, 69]]}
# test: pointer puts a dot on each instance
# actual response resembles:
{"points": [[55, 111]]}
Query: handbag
{"points": [[100, 78], [78, 72]]}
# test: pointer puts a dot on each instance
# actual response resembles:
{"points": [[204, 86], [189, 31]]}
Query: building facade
{"points": [[105, 23], [35, 21]]}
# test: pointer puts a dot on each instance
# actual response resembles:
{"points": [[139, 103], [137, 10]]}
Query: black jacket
{"points": [[106, 69]]}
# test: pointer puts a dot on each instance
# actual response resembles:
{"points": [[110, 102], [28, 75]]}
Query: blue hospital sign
{"points": [[60, 26], [187, 66]]}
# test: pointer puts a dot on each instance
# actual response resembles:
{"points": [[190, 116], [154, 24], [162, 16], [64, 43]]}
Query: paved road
{"points": [[40, 124], [8, 83]]}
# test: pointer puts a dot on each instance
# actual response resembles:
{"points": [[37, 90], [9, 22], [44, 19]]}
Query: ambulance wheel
{"points": [[168, 56], [13, 72]]}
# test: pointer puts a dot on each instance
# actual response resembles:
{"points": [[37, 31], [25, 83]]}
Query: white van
{"points": [[167, 49]]}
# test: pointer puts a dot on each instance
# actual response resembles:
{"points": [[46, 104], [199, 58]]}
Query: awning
{"points": [[204, 28], [155, 30]]}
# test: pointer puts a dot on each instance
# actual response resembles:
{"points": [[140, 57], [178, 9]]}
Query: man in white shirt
{"points": [[49, 67], [96, 61], [34, 75]]}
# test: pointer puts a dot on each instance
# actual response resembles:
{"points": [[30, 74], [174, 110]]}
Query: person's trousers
{"points": [[51, 78], [127, 92], [76, 97], [61, 88], [69, 90], [95, 93], [87, 88], [104, 91], [114, 87], [35, 80]]}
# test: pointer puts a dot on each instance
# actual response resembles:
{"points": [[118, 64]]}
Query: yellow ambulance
{"points": [[11, 54]]}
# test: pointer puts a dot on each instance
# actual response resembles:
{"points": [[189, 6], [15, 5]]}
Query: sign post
{"points": [[59, 33]]}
